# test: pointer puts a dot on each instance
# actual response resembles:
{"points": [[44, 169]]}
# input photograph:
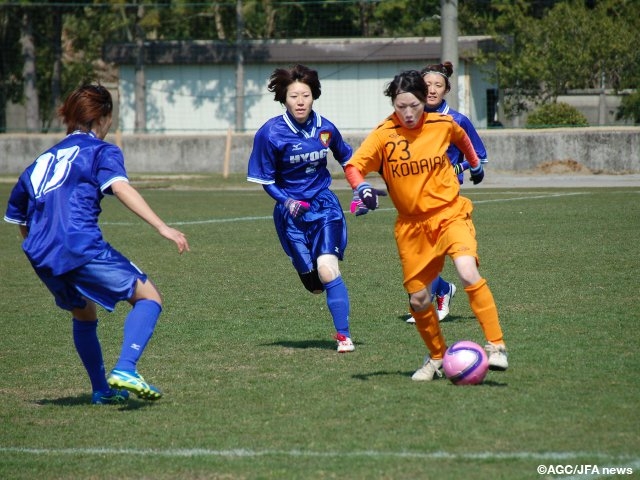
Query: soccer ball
{"points": [[465, 363]]}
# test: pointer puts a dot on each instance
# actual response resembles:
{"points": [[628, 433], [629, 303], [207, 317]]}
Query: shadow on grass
{"points": [[304, 344], [85, 400], [367, 376], [449, 319], [492, 383]]}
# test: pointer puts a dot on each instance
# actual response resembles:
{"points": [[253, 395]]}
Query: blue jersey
{"points": [[453, 152], [58, 199], [294, 156]]}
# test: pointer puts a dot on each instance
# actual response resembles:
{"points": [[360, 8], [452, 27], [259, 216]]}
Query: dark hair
{"points": [[281, 79], [409, 81], [85, 105], [445, 69]]}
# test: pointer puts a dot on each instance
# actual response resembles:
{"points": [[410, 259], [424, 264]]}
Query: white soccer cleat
{"points": [[344, 343], [497, 356], [443, 302], [411, 319], [428, 371]]}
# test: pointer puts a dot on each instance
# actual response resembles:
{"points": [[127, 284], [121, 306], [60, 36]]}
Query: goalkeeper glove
{"points": [[369, 195], [357, 206], [477, 174], [461, 167], [297, 208]]}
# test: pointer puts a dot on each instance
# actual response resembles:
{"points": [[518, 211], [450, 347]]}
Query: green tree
{"points": [[407, 18], [571, 46], [10, 62], [546, 47], [629, 72]]}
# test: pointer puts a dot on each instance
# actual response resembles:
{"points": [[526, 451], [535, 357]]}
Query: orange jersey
{"points": [[414, 162]]}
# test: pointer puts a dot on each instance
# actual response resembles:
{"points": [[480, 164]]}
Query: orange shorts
{"points": [[424, 241]]}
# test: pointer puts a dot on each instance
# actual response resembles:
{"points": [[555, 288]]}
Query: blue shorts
{"points": [[321, 230], [107, 279]]}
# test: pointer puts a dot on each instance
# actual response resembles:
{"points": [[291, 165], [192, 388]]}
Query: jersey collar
{"points": [[308, 130], [80, 132], [442, 108]]}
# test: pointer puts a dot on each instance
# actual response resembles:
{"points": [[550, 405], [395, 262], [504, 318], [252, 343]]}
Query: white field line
{"points": [[248, 453], [511, 199], [269, 217]]}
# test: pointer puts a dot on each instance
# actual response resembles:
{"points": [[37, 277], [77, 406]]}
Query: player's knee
{"points": [[87, 313], [420, 301], [146, 291], [467, 268], [418, 305], [311, 281], [328, 269]]}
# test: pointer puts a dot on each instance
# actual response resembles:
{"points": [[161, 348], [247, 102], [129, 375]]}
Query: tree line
{"points": [[546, 47]]}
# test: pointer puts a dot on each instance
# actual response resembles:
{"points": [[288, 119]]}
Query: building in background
{"points": [[191, 87]]}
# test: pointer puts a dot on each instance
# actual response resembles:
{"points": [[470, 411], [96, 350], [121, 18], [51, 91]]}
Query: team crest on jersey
{"points": [[325, 138]]}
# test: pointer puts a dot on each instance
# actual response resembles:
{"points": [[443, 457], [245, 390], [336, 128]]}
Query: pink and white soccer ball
{"points": [[465, 363]]}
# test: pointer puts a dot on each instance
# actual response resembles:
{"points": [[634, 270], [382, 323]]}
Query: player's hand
{"points": [[477, 174], [297, 208], [357, 206], [369, 195], [461, 167], [176, 236]]}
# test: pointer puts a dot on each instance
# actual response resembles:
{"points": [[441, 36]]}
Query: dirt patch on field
{"points": [[562, 166]]}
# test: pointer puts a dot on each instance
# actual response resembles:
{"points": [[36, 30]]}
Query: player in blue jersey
{"points": [[56, 204], [289, 160]]}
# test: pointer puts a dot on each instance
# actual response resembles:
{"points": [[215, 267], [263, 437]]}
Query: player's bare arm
{"points": [[132, 199]]}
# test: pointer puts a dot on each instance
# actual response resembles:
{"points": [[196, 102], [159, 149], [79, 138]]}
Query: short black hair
{"points": [[409, 81]]}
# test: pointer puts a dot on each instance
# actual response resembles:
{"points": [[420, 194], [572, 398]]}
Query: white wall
{"points": [[201, 98]]}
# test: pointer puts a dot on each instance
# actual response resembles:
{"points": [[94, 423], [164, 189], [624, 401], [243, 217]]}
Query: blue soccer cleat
{"points": [[110, 397], [133, 381]]}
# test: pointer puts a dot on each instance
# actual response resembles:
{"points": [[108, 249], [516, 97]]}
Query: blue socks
{"points": [[440, 287], [138, 328], [85, 338], [338, 303]]}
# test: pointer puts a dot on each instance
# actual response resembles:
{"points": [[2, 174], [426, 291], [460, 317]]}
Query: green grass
{"points": [[255, 390]]}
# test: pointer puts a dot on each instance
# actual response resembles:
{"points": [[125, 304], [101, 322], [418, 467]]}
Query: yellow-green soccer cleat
{"points": [[133, 382], [110, 397]]}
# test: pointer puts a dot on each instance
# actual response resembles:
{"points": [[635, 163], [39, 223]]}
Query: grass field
{"points": [[255, 390]]}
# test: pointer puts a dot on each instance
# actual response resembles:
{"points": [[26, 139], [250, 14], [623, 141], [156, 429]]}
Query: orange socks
{"points": [[428, 327], [485, 310]]}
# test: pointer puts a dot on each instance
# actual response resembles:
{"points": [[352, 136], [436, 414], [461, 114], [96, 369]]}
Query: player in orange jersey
{"points": [[408, 149]]}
